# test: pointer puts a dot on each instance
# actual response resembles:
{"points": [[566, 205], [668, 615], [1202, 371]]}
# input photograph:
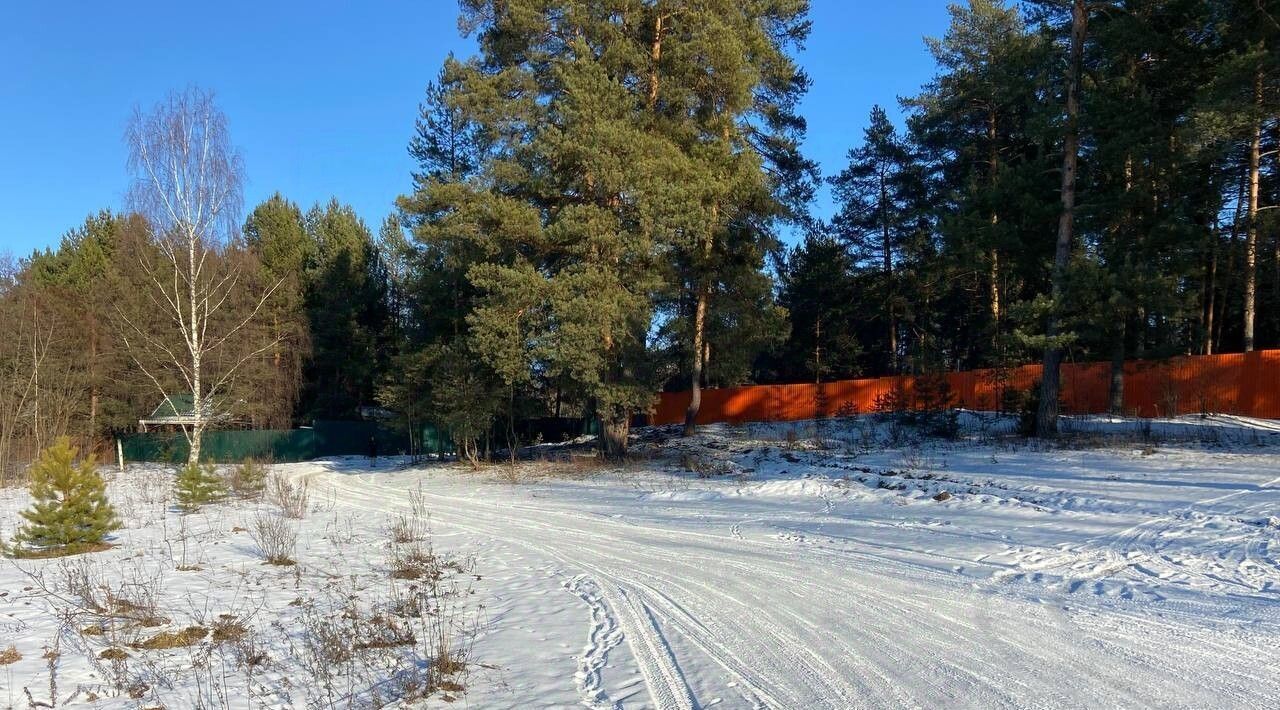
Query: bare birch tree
{"points": [[187, 179]]}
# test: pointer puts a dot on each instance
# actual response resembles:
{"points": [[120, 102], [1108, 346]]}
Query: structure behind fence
{"points": [[1246, 384]]}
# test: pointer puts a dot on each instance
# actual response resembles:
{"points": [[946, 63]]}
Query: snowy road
{"points": [[1094, 579]]}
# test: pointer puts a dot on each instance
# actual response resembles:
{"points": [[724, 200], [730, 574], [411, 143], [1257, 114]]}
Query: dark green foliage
{"points": [[347, 312], [1026, 404], [824, 305], [446, 144], [276, 234], [70, 509], [197, 485]]}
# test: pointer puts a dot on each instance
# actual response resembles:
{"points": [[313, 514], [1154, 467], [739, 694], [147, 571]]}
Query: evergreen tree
{"points": [[718, 82], [276, 234], [347, 312], [81, 285], [439, 376], [446, 145], [979, 125], [70, 509], [197, 485], [820, 294], [879, 195]]}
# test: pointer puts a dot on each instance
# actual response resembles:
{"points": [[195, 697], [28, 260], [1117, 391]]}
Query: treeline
{"points": [[85, 320], [941, 252], [604, 193]]}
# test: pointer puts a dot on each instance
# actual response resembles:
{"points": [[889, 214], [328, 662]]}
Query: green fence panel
{"points": [[324, 439]]}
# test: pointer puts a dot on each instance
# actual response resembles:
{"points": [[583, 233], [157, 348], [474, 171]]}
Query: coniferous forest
{"points": [[612, 199]]}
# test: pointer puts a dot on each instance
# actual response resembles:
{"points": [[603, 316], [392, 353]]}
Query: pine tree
{"points": [[976, 123], [439, 377], [197, 485], [821, 297], [446, 145], [70, 510], [347, 309], [276, 234], [879, 196]]}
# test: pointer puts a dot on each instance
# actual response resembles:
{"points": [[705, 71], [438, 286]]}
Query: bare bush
{"points": [[414, 525], [706, 467], [133, 601], [430, 606], [275, 538], [290, 497]]}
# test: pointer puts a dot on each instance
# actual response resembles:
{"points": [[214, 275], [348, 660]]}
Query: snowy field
{"points": [[840, 565]]}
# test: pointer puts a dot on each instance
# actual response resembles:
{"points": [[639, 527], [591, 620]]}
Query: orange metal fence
{"points": [[1246, 384]]}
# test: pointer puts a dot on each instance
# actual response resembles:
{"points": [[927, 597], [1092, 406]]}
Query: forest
{"points": [[612, 199]]}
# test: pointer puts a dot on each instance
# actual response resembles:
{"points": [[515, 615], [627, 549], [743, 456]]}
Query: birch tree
{"points": [[187, 179]]}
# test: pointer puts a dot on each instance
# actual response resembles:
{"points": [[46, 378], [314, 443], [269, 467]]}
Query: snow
{"points": [[1137, 564]]}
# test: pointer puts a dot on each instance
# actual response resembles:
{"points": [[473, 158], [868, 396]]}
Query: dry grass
{"points": [[49, 553], [228, 629], [189, 636], [566, 465], [113, 654], [133, 601], [415, 562], [9, 656]]}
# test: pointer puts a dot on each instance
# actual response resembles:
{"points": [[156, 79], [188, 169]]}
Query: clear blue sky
{"points": [[321, 95]]}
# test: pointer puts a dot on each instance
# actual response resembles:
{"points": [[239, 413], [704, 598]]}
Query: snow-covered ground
{"points": [[833, 565]]}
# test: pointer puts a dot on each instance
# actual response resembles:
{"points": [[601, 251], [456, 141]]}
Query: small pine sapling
{"points": [[197, 485], [249, 479], [70, 512]]}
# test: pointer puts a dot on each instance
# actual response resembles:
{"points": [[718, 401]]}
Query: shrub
{"points": [[275, 539], [70, 510], [198, 485], [189, 636], [1027, 405], [291, 498], [891, 401], [248, 480]]}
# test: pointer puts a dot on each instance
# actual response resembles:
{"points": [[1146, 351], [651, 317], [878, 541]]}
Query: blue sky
{"points": [[321, 95]]}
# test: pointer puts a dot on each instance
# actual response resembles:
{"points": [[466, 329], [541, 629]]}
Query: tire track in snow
{"points": [[911, 650], [1145, 549], [785, 650], [943, 670], [662, 676]]}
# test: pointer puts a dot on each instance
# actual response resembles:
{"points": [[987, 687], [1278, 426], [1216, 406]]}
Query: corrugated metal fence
{"points": [[325, 438], [1246, 384]]}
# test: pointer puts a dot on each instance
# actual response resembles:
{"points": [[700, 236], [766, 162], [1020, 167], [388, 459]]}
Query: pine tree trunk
{"points": [[1047, 417], [1251, 236], [614, 430], [1232, 252], [994, 159], [695, 377], [1115, 403], [93, 384], [887, 256], [1211, 287], [655, 56], [699, 331], [995, 284]]}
